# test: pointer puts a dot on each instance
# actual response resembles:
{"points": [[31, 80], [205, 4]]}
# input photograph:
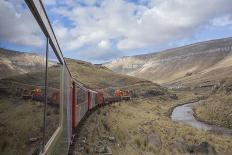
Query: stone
{"points": [[83, 139], [112, 139], [31, 140], [203, 148], [154, 139], [108, 150], [103, 149], [105, 114], [179, 144]]}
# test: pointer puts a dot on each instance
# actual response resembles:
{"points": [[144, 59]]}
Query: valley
{"points": [[200, 72], [158, 83]]}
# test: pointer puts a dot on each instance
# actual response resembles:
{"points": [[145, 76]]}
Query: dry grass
{"points": [[22, 120], [99, 77], [216, 110], [132, 122]]}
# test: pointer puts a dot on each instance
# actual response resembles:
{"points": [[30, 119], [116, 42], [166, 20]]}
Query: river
{"points": [[184, 114]]}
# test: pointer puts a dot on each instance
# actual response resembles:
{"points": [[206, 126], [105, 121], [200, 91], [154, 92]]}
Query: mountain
{"points": [[101, 78], [14, 63], [199, 59], [28, 69]]}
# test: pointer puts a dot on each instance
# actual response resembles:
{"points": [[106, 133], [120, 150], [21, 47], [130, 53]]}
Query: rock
{"points": [[173, 96], [104, 137], [32, 140], [105, 114], [188, 74], [154, 139], [112, 139], [103, 149], [108, 150], [179, 145], [106, 126], [83, 139], [204, 148]]}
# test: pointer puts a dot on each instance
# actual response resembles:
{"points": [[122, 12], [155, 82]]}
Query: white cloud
{"points": [[223, 20], [18, 26], [135, 25], [49, 2], [104, 44]]}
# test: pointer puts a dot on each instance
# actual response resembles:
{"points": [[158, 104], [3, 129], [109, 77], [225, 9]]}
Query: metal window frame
{"points": [[38, 11]]}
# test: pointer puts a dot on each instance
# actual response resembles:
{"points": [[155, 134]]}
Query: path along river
{"points": [[184, 114]]}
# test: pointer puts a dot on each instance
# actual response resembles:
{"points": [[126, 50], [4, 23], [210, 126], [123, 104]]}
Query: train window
{"points": [[82, 101], [53, 94], [64, 140], [22, 79], [82, 95]]}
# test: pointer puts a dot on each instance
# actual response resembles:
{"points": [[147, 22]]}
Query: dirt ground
{"points": [[143, 126]]}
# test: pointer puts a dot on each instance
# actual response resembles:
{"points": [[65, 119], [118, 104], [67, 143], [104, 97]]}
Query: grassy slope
{"points": [[222, 70], [102, 78], [216, 110], [99, 77]]}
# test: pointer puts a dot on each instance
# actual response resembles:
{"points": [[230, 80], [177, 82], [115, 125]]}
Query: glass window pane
{"points": [[62, 147], [82, 102], [53, 98], [22, 77]]}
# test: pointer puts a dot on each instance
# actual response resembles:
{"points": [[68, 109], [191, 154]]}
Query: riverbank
{"points": [[215, 110], [185, 115], [143, 126]]}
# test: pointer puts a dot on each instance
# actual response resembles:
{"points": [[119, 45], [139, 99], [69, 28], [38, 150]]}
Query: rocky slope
{"points": [[14, 62], [173, 64]]}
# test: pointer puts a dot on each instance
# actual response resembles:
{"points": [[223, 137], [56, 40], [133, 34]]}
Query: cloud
{"points": [[104, 44], [134, 25], [49, 2], [223, 20], [18, 26]]}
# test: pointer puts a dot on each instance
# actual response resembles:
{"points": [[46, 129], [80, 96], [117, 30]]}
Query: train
{"points": [[84, 100]]}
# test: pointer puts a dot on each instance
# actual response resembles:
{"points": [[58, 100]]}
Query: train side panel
{"points": [[100, 99]]}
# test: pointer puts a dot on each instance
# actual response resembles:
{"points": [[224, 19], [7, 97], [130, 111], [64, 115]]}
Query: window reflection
{"points": [[82, 102], [22, 68], [53, 98]]}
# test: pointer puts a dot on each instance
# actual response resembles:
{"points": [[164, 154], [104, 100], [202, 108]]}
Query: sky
{"points": [[102, 30]]}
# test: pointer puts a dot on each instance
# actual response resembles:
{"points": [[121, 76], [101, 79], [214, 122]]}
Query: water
{"points": [[184, 114]]}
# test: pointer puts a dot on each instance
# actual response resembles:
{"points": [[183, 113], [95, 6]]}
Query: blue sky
{"points": [[102, 30]]}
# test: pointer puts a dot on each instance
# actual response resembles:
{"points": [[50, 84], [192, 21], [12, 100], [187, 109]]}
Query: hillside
{"points": [[202, 59], [28, 68], [99, 77], [14, 62]]}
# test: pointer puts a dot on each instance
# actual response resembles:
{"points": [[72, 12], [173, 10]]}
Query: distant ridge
{"points": [[14, 62], [175, 63]]}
